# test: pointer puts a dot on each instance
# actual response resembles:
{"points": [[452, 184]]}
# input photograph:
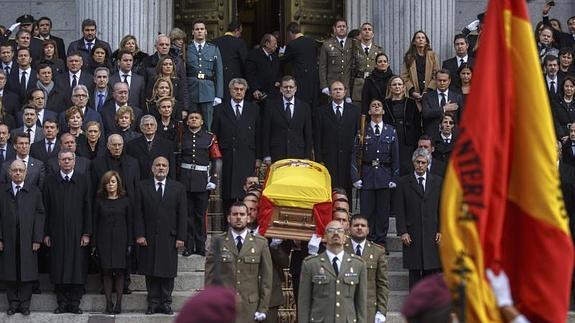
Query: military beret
{"points": [[215, 304], [25, 19], [429, 294]]}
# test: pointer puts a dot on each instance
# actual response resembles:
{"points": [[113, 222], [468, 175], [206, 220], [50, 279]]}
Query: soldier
{"points": [[375, 165], [198, 148], [335, 58], [205, 74], [246, 265], [364, 57], [374, 257], [333, 284]]}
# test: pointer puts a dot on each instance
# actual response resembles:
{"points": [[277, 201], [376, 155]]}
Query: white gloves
{"points": [[500, 286], [379, 318], [473, 25], [347, 99], [313, 244], [392, 185], [267, 160], [358, 184], [275, 242], [282, 50], [259, 316], [210, 186], [14, 26], [217, 101], [325, 91]]}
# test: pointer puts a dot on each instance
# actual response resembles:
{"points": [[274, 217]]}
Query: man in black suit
{"points": [[237, 126], [234, 52], [334, 133], [287, 125], [263, 69], [149, 63], [10, 100], [24, 77], [160, 229], [30, 125], [552, 79], [435, 166], [24, 39], [568, 148], [102, 89], [81, 165], [301, 53], [121, 93], [148, 147], [44, 33], [75, 76], [80, 98], [50, 146], [37, 98], [56, 100], [439, 101], [35, 171], [7, 57], [6, 149], [461, 45], [417, 212], [136, 83], [84, 45]]}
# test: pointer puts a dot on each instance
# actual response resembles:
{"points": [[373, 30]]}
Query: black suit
{"points": [[283, 137], [82, 166], [109, 118], [35, 172], [63, 82], [137, 89], [127, 166], [38, 150], [138, 148], [452, 66], [333, 142], [301, 53], [93, 100], [10, 102], [57, 101], [234, 52], [443, 149], [9, 153], [13, 83], [432, 112], [60, 46], [262, 73], [78, 46]]}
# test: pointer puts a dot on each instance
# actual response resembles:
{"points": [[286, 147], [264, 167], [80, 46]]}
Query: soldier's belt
{"points": [[377, 163], [361, 75], [194, 167], [201, 76]]}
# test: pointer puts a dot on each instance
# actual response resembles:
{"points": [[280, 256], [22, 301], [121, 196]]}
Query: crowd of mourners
{"points": [[109, 159]]}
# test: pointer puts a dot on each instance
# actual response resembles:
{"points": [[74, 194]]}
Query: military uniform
{"points": [[377, 283], [327, 297], [363, 65], [248, 271], [379, 167], [335, 62], [205, 78], [197, 150]]}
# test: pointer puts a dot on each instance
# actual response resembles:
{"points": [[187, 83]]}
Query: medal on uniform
{"points": [[321, 271], [253, 250]]}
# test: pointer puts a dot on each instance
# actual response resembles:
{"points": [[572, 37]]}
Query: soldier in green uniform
{"points": [[335, 58], [374, 257], [364, 57], [246, 266], [333, 284]]}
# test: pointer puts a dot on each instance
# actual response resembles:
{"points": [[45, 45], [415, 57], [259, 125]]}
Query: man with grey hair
{"points": [[162, 46], [103, 90], [80, 97], [121, 94], [74, 76], [417, 213]]}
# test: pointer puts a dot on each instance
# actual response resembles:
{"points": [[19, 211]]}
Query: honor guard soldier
{"points": [[335, 58], [199, 147], [245, 265], [374, 169], [364, 57], [333, 284]]}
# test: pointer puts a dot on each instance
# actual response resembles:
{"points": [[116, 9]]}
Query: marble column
{"points": [[141, 18], [359, 11]]}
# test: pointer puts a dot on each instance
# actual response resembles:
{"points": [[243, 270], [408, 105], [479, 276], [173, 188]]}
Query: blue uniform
{"points": [[379, 168]]}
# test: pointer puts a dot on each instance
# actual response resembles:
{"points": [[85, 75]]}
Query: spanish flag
{"points": [[501, 203]]}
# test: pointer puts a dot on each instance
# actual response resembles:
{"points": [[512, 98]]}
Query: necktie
{"points": [[335, 267], [89, 46], [7, 69], [377, 132], [49, 147], [2, 158], [125, 76], [23, 81], [420, 180], [358, 250], [100, 102], [366, 51], [66, 178], [443, 100], [160, 190], [338, 113], [29, 131], [199, 48], [239, 243], [150, 145], [238, 113], [341, 43], [461, 61], [552, 87], [74, 81], [288, 110], [17, 190], [270, 57]]}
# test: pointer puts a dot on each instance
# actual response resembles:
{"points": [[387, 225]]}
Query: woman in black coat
{"points": [[375, 85], [402, 113], [112, 237], [564, 108]]}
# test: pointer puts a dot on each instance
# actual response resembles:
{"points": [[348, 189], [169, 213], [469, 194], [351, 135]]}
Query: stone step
{"points": [[191, 263], [394, 243], [395, 261], [398, 280], [392, 228], [395, 300], [136, 302]]}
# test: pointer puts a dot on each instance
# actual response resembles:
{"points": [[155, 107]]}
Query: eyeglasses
{"points": [[80, 95], [334, 230]]}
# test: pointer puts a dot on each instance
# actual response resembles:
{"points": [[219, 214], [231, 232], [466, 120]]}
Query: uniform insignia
{"points": [[253, 250], [351, 269], [370, 256], [321, 271], [367, 137]]}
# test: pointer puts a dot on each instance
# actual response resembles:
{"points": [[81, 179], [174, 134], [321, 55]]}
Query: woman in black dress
{"points": [[167, 125], [112, 238], [564, 109], [376, 83], [403, 113]]}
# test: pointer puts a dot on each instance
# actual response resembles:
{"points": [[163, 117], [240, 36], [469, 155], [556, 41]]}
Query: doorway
{"points": [[259, 17]]}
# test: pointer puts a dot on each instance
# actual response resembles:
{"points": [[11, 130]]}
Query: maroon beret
{"points": [[428, 294], [215, 304]]}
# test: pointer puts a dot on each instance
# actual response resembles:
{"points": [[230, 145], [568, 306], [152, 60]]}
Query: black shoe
{"points": [[76, 310], [187, 253], [25, 312], [11, 311], [166, 309], [37, 291], [109, 308], [59, 310], [118, 308], [201, 252], [150, 311], [127, 291]]}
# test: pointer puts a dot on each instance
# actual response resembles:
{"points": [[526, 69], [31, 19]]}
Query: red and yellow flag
{"points": [[501, 204]]}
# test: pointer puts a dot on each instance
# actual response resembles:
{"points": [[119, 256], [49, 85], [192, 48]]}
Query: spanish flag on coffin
{"points": [[501, 205], [297, 183]]}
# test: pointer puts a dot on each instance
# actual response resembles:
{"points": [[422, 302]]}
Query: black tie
{"points": [[377, 132], [100, 102], [358, 250], [74, 81], [420, 179], [125, 76], [17, 190], [335, 267], [66, 178], [23, 81], [89, 46], [288, 110], [199, 48], [150, 145], [7, 69], [338, 113], [239, 243], [2, 150], [341, 43], [461, 61], [443, 100], [366, 51], [552, 87], [160, 190], [49, 149], [29, 131], [238, 113]]}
